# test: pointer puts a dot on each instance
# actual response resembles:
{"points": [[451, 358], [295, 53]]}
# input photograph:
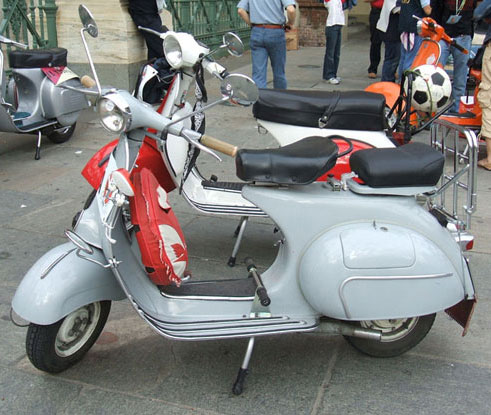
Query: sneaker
{"points": [[372, 75], [333, 81]]}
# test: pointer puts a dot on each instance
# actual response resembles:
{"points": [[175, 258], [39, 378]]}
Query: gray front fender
{"points": [[72, 282]]}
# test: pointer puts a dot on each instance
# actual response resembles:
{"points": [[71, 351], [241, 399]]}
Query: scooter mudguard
{"points": [[380, 271], [149, 157], [61, 282]]}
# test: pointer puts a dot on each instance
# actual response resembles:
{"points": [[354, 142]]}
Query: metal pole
{"points": [[50, 9]]}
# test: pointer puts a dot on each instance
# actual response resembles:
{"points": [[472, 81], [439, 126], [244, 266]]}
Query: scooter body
{"points": [[413, 267], [38, 98]]}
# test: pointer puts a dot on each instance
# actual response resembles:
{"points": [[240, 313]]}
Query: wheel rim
{"points": [[76, 329], [392, 329]]}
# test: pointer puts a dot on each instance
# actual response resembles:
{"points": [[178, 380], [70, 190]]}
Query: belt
{"points": [[268, 26]]}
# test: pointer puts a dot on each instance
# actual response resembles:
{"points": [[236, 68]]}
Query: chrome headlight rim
{"points": [[173, 51], [115, 106]]}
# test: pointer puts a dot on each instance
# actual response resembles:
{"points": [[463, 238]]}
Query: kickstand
{"points": [[239, 232], [38, 147], [239, 382]]}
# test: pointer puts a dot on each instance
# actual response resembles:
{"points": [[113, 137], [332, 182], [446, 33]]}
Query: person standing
{"points": [[456, 18], [484, 98], [268, 22], [388, 25], [410, 40], [375, 37], [145, 13], [334, 24]]}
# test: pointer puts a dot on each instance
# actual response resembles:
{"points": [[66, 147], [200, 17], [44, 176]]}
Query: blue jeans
{"points": [[407, 56], [391, 60], [268, 43], [333, 51], [459, 67]]}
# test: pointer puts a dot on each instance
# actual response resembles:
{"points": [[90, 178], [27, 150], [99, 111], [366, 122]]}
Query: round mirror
{"points": [[88, 21], [79, 242], [241, 89], [233, 44]]}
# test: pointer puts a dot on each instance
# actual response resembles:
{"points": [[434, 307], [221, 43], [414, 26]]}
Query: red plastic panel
{"points": [[160, 238]]}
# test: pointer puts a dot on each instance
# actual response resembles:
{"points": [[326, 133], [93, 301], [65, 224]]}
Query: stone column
{"points": [[119, 50]]}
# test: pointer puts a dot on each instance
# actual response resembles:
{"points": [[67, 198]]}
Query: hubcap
{"points": [[76, 329], [393, 329]]}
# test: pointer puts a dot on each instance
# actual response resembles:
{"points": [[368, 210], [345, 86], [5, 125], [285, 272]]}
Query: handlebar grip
{"points": [[87, 81], [219, 145], [263, 296]]}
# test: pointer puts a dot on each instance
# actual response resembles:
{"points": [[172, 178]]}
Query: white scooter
{"points": [[366, 261], [37, 99]]}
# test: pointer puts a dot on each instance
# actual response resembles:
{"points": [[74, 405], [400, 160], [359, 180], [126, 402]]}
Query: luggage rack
{"points": [[457, 194]]}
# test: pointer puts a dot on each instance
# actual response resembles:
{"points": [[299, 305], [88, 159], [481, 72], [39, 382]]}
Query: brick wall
{"points": [[313, 16]]}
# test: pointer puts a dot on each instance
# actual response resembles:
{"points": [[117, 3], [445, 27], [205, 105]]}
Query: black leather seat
{"points": [[413, 164], [345, 110], [299, 163], [38, 58]]}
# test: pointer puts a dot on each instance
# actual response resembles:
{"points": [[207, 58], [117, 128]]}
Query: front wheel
{"points": [[398, 335], [58, 346], [60, 135]]}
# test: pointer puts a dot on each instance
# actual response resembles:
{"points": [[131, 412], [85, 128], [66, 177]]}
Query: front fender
{"points": [[46, 295]]}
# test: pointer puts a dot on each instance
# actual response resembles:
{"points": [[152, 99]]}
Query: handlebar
{"points": [[219, 145], [457, 46], [153, 32]]}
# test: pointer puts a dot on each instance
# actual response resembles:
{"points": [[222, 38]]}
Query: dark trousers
{"points": [[154, 43], [333, 52], [375, 40]]}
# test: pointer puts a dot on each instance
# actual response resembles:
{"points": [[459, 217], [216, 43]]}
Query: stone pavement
{"points": [[133, 370]]}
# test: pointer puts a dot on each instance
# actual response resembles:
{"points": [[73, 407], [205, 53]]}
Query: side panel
{"points": [[378, 271], [45, 297]]}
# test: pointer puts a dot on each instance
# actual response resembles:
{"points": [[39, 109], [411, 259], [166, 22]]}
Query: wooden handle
{"points": [[87, 81], [219, 145]]}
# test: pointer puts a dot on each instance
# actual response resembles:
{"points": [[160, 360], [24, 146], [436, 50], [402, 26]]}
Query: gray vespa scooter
{"points": [[367, 261], [37, 99]]}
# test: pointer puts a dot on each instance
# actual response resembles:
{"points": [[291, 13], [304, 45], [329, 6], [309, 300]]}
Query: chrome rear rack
{"points": [[456, 197]]}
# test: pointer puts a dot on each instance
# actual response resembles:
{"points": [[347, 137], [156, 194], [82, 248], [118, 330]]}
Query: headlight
{"points": [[173, 51], [115, 113]]}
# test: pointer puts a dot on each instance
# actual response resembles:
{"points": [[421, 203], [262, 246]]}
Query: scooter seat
{"points": [[413, 164], [346, 110], [38, 58], [298, 163]]}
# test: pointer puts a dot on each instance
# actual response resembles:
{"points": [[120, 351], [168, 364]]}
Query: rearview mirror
{"points": [[233, 43], [240, 89], [88, 21]]}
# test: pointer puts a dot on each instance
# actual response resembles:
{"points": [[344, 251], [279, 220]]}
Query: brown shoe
{"points": [[372, 75]]}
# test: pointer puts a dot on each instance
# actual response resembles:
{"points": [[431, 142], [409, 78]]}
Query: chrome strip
{"points": [[393, 277], [205, 297], [55, 262]]}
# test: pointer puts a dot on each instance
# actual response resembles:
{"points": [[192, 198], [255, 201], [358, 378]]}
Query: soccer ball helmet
{"points": [[431, 88]]}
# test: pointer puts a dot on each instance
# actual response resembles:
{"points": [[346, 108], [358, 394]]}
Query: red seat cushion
{"points": [[160, 238]]}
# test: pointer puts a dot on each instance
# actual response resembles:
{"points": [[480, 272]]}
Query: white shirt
{"points": [[335, 12]]}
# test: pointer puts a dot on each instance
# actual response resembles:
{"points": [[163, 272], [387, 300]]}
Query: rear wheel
{"points": [[60, 135], [58, 346], [398, 335]]}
